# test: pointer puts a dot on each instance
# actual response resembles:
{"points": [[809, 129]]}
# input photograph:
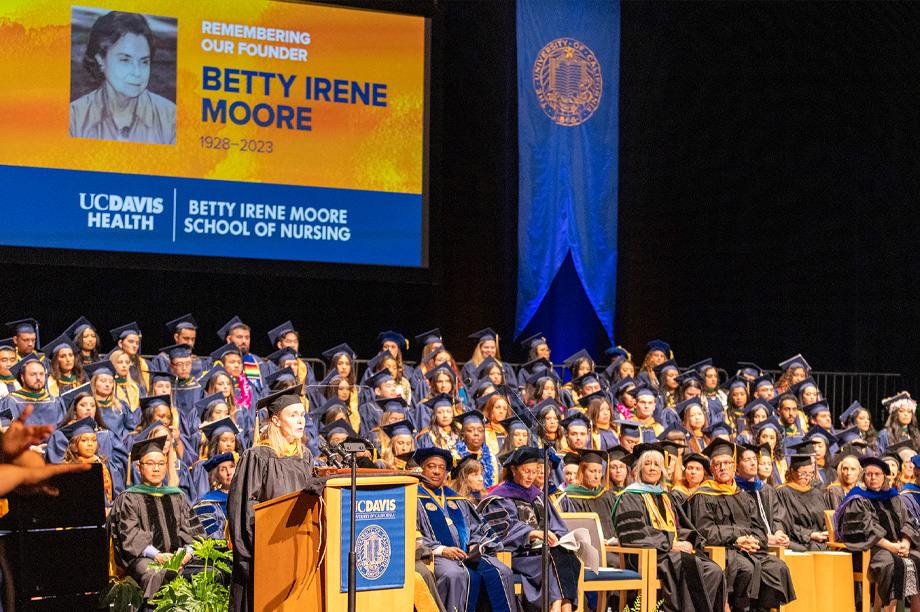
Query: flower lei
{"points": [[488, 468]]}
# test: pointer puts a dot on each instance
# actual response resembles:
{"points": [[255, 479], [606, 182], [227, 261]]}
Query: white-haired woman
{"points": [[645, 516]]}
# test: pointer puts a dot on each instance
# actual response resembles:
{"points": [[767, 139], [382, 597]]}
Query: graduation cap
{"points": [[576, 418], [219, 428], [770, 423], [210, 374], [854, 408], [698, 458], [516, 422], [227, 349], [122, 332], [664, 366], [430, 357], [764, 380], [749, 370], [582, 354], [393, 404], [186, 321], [585, 400], [78, 327], [621, 385], [720, 447], [439, 400], [329, 404], [151, 401], [522, 456], [18, 367], [620, 351], [533, 341], [865, 462], [483, 400], [177, 351], [487, 364], [444, 367], [379, 378], [571, 458], [68, 397], [755, 404], [537, 365], [644, 390], [24, 326], [100, 367], [590, 455], [805, 447], [378, 359], [817, 431], [799, 461], [813, 410], [281, 355], [702, 366], [282, 375], [795, 362], [678, 428], [229, 326], [55, 346], [470, 416], [157, 376], [392, 336], [688, 376], [658, 345], [7, 344], [646, 447], [277, 333], [617, 453], [586, 379], [278, 401], [485, 334], [84, 425], [480, 385], [422, 455], [332, 354], [850, 435], [915, 461], [687, 403], [455, 472], [735, 382], [399, 428], [719, 428], [643, 378], [144, 447], [542, 408], [779, 399], [894, 403], [800, 386], [629, 428], [612, 368], [207, 402], [671, 447], [898, 447], [338, 426], [535, 378], [431, 336], [215, 462]]}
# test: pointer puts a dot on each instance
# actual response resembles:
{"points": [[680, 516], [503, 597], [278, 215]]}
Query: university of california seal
{"points": [[567, 79], [373, 548]]}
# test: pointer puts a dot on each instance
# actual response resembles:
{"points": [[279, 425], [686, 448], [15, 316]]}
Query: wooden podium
{"points": [[298, 554]]}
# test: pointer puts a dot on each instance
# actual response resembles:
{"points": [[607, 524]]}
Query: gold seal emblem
{"points": [[430, 507], [567, 79], [452, 505]]}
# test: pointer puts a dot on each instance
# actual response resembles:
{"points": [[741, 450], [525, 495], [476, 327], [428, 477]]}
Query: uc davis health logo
{"points": [[373, 552], [567, 79]]}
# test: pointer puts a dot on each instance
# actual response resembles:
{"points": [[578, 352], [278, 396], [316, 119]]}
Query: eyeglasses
{"points": [[154, 464], [722, 464], [528, 472]]}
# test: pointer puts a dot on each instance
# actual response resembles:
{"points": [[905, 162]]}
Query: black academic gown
{"points": [[755, 580], [805, 510], [864, 522], [600, 501], [261, 475], [689, 581], [833, 495], [769, 506], [138, 520]]}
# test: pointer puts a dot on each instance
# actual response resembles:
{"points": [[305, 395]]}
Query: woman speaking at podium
{"points": [[276, 465]]}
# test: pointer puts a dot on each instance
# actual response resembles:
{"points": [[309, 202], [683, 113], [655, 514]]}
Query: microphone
{"points": [[331, 453]]}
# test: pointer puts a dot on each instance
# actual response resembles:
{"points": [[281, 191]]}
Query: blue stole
{"points": [[436, 517]]}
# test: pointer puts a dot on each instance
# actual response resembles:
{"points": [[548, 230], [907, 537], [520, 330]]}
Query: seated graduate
{"points": [[239, 334], [83, 447], [757, 411], [577, 430], [183, 330], [904, 452], [861, 419], [518, 434], [646, 516], [795, 370], [384, 389], [441, 377], [217, 438], [873, 518], [230, 359], [770, 432], [621, 365], [618, 463], [8, 382], [726, 516], [514, 510], [126, 388], [666, 373], [285, 336], [392, 410], [578, 365], [390, 357], [825, 444], [85, 338], [466, 479], [179, 362], [623, 403], [442, 431], [495, 409], [212, 507], [548, 417], [804, 503], [462, 543], [218, 380], [600, 413], [714, 399], [693, 420], [30, 373], [151, 521], [397, 438], [65, 371], [589, 493], [25, 338], [646, 397], [128, 340], [847, 466], [696, 470], [116, 414], [762, 387], [542, 383], [486, 346], [277, 464], [770, 507], [472, 442]]}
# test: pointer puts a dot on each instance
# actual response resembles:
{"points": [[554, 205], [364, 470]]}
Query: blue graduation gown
{"points": [[445, 518], [46, 409], [186, 395], [118, 417], [109, 446], [212, 511]]}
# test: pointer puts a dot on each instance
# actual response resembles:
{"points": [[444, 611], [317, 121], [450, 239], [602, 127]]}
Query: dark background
{"points": [[768, 202]]}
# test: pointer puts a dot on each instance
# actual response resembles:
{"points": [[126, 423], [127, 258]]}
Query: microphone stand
{"points": [[353, 448]]}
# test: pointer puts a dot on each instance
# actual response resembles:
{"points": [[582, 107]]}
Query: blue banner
{"points": [[380, 543], [568, 127], [76, 209]]}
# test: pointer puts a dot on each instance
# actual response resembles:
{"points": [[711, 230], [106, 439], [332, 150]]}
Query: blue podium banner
{"points": [[380, 525], [77, 209]]}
